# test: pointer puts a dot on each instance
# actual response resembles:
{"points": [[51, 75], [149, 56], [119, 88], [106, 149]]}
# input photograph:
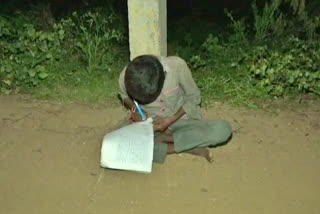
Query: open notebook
{"points": [[129, 148]]}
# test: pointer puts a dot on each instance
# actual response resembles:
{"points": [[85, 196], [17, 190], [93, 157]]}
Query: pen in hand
{"points": [[140, 110]]}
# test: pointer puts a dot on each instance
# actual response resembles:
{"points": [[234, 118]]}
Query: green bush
{"points": [[187, 48], [216, 52], [25, 53], [269, 21], [96, 36], [296, 68], [278, 60], [29, 55], [239, 30]]}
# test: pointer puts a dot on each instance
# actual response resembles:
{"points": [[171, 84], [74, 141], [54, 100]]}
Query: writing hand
{"points": [[136, 117]]}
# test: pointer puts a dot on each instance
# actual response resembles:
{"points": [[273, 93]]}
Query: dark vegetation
{"points": [[239, 51]]}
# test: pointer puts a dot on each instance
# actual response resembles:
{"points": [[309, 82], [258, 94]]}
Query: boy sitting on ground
{"points": [[166, 91]]}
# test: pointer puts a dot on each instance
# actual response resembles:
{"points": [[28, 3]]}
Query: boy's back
{"points": [[179, 90], [165, 87]]}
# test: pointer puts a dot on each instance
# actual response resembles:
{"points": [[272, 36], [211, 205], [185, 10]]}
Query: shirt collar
{"points": [[163, 62]]}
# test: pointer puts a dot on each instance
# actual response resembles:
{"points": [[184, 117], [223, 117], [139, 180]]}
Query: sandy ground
{"points": [[49, 163]]}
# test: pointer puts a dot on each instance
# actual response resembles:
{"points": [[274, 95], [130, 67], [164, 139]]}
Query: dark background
{"points": [[176, 8]]}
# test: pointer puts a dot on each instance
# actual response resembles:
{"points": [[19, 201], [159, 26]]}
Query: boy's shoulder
{"points": [[171, 59], [172, 63]]}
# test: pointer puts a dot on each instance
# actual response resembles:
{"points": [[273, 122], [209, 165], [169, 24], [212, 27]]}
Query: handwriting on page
{"points": [[129, 148]]}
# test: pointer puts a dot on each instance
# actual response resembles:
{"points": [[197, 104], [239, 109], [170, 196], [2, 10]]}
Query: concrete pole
{"points": [[147, 27]]}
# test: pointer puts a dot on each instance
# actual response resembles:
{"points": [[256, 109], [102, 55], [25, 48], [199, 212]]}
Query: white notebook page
{"points": [[129, 148]]}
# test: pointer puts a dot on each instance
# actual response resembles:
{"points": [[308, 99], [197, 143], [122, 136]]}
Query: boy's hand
{"points": [[162, 124], [135, 116]]}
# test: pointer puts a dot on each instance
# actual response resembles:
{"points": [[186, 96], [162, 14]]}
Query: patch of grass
{"points": [[72, 82], [226, 83]]}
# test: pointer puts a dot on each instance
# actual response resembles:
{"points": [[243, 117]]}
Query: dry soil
{"points": [[49, 163]]}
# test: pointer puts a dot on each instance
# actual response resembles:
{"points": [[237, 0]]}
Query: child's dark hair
{"points": [[144, 79]]}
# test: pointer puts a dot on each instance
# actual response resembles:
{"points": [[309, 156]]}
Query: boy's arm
{"points": [[128, 103], [192, 97], [123, 91], [162, 124]]}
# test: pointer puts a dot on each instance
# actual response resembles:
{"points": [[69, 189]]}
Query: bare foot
{"points": [[202, 152]]}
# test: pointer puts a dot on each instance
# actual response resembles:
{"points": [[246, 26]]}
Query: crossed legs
{"points": [[167, 138]]}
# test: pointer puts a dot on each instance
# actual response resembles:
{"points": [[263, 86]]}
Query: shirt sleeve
{"points": [[122, 88], [192, 97]]}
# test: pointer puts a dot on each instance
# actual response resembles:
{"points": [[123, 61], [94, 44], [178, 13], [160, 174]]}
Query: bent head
{"points": [[144, 78]]}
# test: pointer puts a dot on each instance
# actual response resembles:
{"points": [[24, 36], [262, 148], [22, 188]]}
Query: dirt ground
{"points": [[49, 163]]}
